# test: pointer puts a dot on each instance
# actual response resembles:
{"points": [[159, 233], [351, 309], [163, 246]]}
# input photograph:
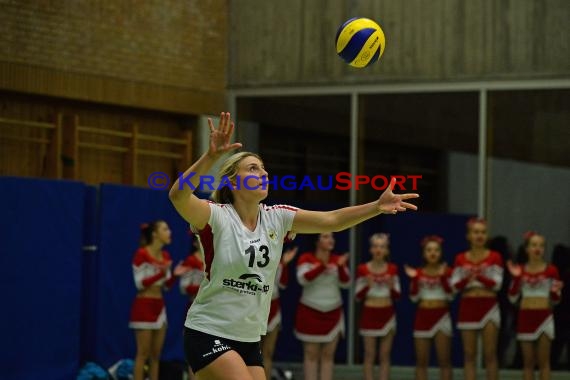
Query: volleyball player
{"points": [[242, 241]]}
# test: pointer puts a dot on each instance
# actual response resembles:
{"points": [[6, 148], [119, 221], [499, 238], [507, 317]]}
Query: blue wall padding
{"points": [[122, 210], [90, 268], [40, 272]]}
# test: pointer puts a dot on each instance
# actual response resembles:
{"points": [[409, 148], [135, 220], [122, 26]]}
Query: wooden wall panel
{"points": [[91, 165], [292, 43]]}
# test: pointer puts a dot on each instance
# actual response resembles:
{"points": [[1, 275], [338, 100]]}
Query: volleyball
{"points": [[360, 42]]}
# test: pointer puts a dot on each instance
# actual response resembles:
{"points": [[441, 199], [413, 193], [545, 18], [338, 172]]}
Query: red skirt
{"points": [[317, 326], [429, 322], [147, 314], [377, 321], [274, 315], [532, 323], [476, 312]]}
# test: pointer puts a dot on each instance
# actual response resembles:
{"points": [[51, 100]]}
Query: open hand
{"points": [[390, 203], [220, 138]]}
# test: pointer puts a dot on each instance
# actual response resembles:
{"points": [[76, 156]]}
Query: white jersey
{"points": [[240, 266]]}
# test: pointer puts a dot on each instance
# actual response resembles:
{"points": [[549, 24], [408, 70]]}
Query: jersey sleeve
{"points": [[308, 269], [217, 215], [286, 215]]}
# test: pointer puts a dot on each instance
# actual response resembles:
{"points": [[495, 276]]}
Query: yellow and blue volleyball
{"points": [[360, 42]]}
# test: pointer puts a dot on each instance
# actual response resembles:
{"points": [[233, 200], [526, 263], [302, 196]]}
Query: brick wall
{"points": [[168, 49]]}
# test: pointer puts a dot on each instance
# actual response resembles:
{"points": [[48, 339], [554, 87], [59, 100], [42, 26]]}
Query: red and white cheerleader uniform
{"points": [[146, 312], [281, 281], [476, 312], [429, 321], [191, 279], [320, 317], [377, 321], [534, 322]]}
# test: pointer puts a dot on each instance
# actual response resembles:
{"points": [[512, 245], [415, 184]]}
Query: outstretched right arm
{"points": [[193, 209]]}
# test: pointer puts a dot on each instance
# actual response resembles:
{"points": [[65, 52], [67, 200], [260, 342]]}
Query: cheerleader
{"points": [[378, 285], [269, 340], [478, 275], [191, 272], [319, 320], [151, 269], [538, 287], [431, 290]]}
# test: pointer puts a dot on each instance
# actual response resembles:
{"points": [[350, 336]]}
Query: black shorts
{"points": [[201, 349]]}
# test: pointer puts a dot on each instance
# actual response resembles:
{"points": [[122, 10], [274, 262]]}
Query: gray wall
{"points": [[291, 42], [522, 196]]}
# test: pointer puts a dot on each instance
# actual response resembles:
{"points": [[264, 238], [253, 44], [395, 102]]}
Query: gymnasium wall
{"points": [[61, 152], [168, 55], [438, 40]]}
